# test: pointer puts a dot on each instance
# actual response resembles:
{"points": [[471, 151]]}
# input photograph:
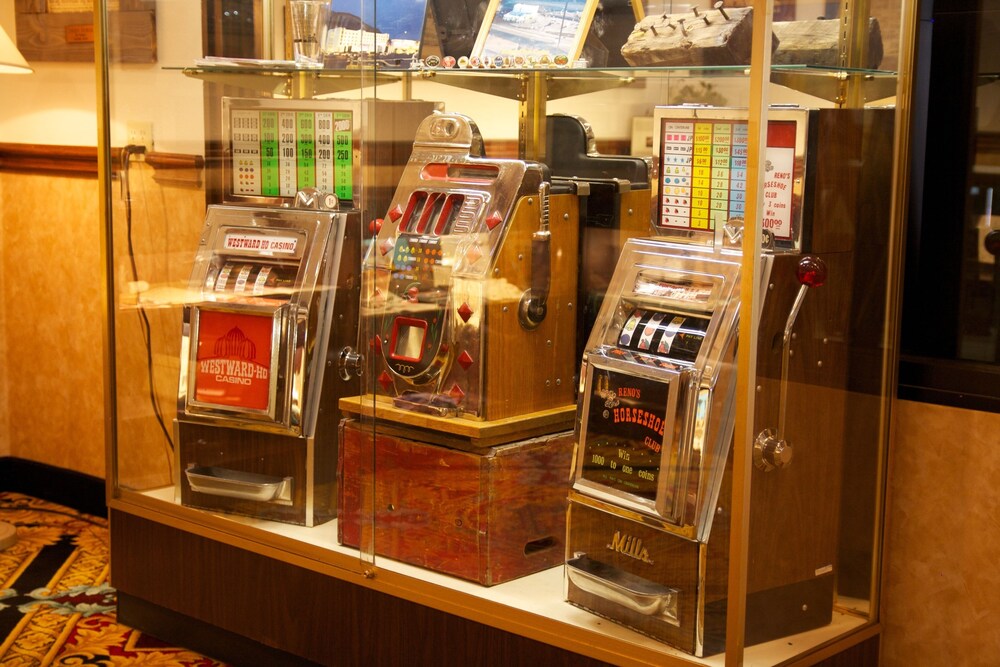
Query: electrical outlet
{"points": [[140, 133]]}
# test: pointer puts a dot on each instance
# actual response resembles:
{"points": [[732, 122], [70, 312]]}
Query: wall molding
{"points": [[45, 159], [168, 168]]}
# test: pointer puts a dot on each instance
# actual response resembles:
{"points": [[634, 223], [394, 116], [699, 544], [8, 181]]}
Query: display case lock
{"points": [[770, 449]]}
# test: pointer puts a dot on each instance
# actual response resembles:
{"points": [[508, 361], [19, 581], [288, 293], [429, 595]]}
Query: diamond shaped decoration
{"points": [[385, 380], [465, 359], [386, 246], [493, 220], [396, 213], [456, 392], [465, 311], [473, 254]]}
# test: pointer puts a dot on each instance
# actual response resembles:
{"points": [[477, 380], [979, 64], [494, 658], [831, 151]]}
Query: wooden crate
{"points": [[486, 516]]}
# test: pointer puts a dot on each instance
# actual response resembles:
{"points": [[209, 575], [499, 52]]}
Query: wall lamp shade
{"points": [[11, 60]]}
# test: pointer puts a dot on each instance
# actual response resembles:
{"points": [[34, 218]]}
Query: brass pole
{"points": [[746, 357], [105, 209]]}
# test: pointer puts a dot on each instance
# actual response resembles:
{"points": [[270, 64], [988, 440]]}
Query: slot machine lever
{"points": [[770, 450], [533, 306]]}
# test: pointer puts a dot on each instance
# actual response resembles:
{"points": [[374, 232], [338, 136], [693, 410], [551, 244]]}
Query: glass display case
{"points": [[571, 325]]}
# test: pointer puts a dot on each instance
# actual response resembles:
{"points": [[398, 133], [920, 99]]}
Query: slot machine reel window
{"points": [[255, 264], [652, 334]]}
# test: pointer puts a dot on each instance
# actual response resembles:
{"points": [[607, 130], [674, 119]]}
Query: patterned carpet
{"points": [[56, 604]]}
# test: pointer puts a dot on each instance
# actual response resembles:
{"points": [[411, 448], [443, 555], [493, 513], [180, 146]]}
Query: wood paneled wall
{"points": [[53, 375], [52, 314], [942, 584]]}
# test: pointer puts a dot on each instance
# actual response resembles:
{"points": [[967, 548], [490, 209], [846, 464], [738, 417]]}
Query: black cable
{"points": [[127, 153]]}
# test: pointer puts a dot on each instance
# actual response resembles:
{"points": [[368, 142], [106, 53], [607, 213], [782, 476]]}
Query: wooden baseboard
{"points": [[84, 493]]}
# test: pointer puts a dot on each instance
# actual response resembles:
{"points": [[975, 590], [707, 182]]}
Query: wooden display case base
{"points": [[229, 600], [487, 517]]}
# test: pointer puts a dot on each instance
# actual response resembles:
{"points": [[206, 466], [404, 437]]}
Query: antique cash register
{"points": [[649, 515]]}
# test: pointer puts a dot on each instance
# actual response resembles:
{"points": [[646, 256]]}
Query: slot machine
{"points": [[474, 281], [649, 511], [274, 308], [470, 304], [270, 334]]}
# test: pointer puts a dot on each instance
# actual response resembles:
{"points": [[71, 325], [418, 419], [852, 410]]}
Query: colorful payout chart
{"points": [[276, 153], [703, 174]]}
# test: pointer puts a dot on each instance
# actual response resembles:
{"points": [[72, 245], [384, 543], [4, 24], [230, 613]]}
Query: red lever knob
{"points": [[811, 271], [992, 242], [375, 226]]}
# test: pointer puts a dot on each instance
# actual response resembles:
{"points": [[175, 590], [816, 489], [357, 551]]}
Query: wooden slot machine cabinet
{"points": [[649, 514], [469, 301], [615, 193]]}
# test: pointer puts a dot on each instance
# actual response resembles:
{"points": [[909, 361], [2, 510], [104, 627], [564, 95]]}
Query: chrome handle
{"points": [[771, 451]]}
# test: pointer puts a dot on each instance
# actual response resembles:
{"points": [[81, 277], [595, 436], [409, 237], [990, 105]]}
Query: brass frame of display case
{"points": [[532, 90]]}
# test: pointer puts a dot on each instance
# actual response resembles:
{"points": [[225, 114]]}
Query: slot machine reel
{"points": [[771, 451]]}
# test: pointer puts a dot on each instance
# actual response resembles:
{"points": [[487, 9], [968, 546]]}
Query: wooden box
{"points": [[487, 516]]}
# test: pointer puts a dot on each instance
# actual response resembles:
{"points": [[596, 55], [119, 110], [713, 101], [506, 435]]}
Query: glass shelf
{"points": [[284, 79]]}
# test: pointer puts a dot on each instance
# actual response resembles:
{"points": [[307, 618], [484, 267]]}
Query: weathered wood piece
{"points": [[694, 39], [817, 43]]}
